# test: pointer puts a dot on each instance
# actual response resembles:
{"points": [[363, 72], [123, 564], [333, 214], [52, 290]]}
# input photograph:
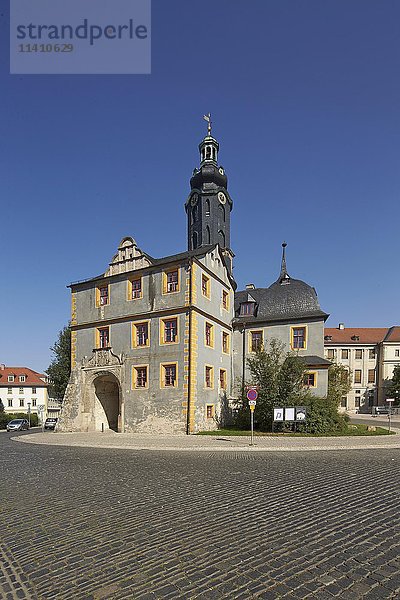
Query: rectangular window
{"points": [[21, 390], [357, 402], [357, 376], [247, 308], [22, 378], [21, 402], [9, 391], [140, 376], [225, 300], [33, 401], [209, 335], [136, 288], [330, 353], [10, 402], [210, 411], [10, 378], [171, 282], [343, 402], [102, 296], [397, 353], [310, 379], [222, 379], [371, 353], [225, 342], [33, 390], [298, 338], [168, 374], [345, 354], [169, 331], [103, 337], [140, 334], [209, 377], [256, 341], [371, 375], [205, 286], [359, 354]]}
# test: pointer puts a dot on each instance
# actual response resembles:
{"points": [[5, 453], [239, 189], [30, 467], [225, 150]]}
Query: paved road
{"points": [[101, 523]]}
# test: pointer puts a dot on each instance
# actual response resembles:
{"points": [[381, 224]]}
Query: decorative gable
{"points": [[128, 258]]}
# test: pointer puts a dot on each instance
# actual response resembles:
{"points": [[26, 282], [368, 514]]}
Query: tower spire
{"points": [[284, 276]]}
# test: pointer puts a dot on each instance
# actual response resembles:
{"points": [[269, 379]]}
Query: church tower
{"points": [[209, 204]]}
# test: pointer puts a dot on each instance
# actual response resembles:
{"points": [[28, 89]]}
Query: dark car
{"points": [[50, 423], [17, 425]]}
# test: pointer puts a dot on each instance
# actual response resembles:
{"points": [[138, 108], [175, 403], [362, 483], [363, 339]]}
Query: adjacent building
{"points": [[370, 354], [160, 344], [23, 390]]}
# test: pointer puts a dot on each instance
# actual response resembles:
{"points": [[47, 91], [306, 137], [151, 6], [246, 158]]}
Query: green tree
{"points": [[279, 376], [393, 389], [339, 383], [60, 367]]}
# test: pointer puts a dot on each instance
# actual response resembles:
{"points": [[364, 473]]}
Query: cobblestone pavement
{"points": [[101, 523]]}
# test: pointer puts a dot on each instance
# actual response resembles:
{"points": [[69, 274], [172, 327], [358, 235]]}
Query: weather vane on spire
{"points": [[208, 119]]}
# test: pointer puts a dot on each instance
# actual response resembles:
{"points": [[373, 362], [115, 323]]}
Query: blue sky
{"points": [[305, 102]]}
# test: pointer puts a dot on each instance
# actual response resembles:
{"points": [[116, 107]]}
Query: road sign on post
{"points": [[252, 394]]}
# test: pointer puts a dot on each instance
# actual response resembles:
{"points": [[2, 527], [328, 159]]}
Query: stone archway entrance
{"points": [[107, 404]]}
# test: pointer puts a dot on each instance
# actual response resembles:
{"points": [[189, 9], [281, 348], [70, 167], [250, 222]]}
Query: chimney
{"points": [[250, 286], [341, 326], [2, 367]]}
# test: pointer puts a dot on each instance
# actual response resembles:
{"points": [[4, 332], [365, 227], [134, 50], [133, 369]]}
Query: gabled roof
{"points": [[32, 378], [393, 334], [348, 335]]}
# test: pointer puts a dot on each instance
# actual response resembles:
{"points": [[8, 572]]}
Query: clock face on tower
{"points": [[194, 199], [221, 197]]}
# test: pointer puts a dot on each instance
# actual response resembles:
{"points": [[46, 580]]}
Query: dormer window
{"points": [[10, 378], [355, 338], [328, 338], [247, 308], [22, 378]]}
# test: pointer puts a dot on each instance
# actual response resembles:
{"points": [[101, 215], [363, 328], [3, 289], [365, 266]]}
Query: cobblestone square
{"points": [[102, 523]]}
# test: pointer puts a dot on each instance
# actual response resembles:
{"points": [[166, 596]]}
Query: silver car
{"points": [[17, 425]]}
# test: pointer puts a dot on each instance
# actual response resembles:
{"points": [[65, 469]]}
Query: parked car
{"points": [[17, 425], [50, 423]]}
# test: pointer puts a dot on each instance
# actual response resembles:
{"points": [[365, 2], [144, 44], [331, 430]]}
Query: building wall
{"points": [[281, 332], [12, 402]]}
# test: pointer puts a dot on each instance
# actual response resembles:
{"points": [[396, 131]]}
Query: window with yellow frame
{"points": [[298, 338], [141, 334], [209, 377], [169, 375], [205, 285], [135, 290], [140, 377], [310, 379], [210, 411], [209, 335], [222, 379], [171, 281], [169, 330], [225, 300], [102, 295], [225, 342]]}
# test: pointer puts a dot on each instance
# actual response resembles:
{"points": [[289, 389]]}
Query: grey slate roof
{"points": [[314, 361], [284, 300]]}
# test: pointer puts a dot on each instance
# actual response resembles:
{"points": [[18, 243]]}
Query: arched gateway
{"points": [[107, 403]]}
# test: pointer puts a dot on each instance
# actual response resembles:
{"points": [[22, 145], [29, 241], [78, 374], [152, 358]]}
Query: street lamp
{"points": [[29, 415], [390, 402]]}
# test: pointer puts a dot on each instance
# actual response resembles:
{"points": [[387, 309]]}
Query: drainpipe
{"points": [[189, 394]]}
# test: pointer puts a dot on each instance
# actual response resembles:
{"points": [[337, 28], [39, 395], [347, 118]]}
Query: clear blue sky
{"points": [[305, 100]]}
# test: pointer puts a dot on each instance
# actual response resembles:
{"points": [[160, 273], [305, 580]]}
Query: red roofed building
{"points": [[370, 353], [22, 389]]}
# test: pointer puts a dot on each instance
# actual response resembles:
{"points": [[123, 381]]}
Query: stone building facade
{"points": [[370, 354], [158, 345]]}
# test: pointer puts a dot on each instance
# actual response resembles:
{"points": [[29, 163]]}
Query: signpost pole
{"points": [[252, 424], [390, 402]]}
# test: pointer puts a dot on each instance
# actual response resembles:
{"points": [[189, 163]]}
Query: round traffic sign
{"points": [[252, 395]]}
